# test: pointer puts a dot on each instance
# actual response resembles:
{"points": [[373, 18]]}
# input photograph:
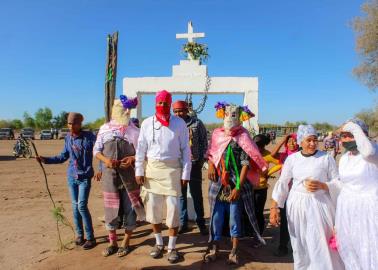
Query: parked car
{"points": [[46, 135], [6, 133], [28, 133], [63, 133]]}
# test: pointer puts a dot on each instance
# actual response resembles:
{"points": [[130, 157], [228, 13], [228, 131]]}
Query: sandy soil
{"points": [[28, 237]]}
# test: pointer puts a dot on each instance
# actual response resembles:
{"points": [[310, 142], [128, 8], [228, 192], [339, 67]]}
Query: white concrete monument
{"points": [[190, 76]]}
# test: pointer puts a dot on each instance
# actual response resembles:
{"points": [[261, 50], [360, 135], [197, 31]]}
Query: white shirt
{"points": [[320, 167], [163, 143]]}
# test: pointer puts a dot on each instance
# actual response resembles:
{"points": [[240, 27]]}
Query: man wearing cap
{"points": [[198, 146], [162, 165], [78, 146]]}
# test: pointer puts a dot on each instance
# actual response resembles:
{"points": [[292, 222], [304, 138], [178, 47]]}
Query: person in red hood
{"points": [[162, 165]]}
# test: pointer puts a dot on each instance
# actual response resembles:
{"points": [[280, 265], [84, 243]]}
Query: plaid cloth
{"points": [[246, 194]]}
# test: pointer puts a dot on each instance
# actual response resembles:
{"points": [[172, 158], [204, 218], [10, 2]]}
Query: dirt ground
{"points": [[28, 236]]}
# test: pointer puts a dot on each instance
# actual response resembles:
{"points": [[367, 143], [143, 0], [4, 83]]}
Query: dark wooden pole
{"points": [[111, 74]]}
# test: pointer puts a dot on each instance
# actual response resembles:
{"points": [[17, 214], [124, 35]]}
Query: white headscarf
{"points": [[362, 124], [304, 131]]}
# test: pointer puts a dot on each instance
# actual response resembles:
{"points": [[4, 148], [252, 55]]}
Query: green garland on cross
{"points": [[196, 51]]}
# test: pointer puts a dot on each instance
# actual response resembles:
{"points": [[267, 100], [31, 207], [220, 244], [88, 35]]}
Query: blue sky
{"points": [[52, 53]]}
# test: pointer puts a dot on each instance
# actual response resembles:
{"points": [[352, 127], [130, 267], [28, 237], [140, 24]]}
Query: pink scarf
{"points": [[288, 152], [220, 140]]}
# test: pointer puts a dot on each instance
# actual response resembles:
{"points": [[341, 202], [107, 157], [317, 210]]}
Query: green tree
{"points": [[28, 120], [16, 124], [324, 126], [43, 118], [61, 119], [294, 124], [95, 124], [370, 117], [4, 124], [366, 29]]}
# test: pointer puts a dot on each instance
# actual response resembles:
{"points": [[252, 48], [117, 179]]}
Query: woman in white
{"points": [[357, 204], [310, 211]]}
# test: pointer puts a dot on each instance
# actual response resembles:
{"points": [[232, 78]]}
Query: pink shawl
{"points": [[219, 142]]}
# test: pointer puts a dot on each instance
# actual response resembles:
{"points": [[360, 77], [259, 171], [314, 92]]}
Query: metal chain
{"points": [[202, 104]]}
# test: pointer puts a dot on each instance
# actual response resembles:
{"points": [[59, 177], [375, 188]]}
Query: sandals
{"points": [[123, 251], [233, 258], [110, 250], [211, 253]]}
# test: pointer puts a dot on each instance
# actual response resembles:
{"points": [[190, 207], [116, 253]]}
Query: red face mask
{"points": [[163, 110], [163, 114]]}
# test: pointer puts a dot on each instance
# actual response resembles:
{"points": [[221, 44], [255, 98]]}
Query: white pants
{"points": [[155, 210]]}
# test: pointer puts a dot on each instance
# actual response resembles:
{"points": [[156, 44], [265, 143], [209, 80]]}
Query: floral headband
{"points": [[128, 103], [245, 112]]}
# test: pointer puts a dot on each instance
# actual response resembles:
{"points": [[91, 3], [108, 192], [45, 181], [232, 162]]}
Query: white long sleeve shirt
{"points": [[163, 143], [298, 168]]}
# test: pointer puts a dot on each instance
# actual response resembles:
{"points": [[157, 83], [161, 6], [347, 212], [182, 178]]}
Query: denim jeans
{"points": [[79, 190], [195, 185], [232, 209]]}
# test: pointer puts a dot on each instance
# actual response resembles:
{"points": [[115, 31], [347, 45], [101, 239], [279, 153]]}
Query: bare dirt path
{"points": [[28, 238]]}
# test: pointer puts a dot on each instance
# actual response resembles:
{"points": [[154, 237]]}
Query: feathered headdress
{"points": [[128, 103], [245, 112]]}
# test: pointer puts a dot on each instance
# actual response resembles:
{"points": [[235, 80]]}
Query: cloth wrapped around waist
{"points": [[162, 177]]}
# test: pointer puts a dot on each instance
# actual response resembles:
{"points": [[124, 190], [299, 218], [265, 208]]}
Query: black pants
{"points": [[284, 230], [195, 185], [260, 199]]}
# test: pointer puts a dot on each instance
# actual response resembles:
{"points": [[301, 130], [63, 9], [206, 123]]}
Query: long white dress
{"points": [[310, 215], [357, 204]]}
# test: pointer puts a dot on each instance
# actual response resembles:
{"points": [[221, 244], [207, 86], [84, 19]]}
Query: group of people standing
{"points": [[147, 170]]}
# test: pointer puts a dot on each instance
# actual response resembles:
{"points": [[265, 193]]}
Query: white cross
{"points": [[190, 35]]}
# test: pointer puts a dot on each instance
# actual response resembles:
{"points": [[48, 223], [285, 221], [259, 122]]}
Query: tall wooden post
{"points": [[111, 74]]}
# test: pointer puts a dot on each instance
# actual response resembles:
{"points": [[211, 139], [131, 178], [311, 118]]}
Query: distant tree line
{"points": [[43, 119]]}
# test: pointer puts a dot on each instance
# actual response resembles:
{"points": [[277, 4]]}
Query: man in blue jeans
{"points": [[198, 147], [78, 148]]}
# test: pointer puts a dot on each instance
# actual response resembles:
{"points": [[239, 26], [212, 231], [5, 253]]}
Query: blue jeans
{"points": [[232, 209], [79, 190]]}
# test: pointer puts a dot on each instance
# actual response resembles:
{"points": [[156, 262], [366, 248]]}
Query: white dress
{"points": [[310, 215], [357, 204]]}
